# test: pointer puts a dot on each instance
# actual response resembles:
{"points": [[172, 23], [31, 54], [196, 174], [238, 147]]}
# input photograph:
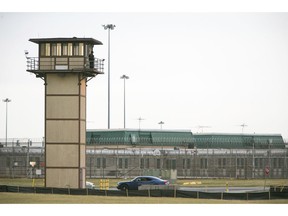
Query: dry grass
{"points": [[180, 182], [23, 198]]}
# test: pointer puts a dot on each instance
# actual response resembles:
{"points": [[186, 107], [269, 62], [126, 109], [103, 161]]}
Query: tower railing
{"points": [[73, 63], [32, 63]]}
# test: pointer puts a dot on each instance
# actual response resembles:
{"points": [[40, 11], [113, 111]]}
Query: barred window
{"points": [[98, 162], [240, 163], [103, 162], [188, 163], [203, 163], [158, 163], [142, 163], [120, 163]]}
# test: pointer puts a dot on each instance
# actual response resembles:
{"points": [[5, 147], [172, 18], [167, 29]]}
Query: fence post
{"points": [[127, 192], [175, 191]]}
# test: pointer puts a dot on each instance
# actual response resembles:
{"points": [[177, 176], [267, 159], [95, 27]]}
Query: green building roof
{"points": [[259, 141], [136, 137], [182, 138]]}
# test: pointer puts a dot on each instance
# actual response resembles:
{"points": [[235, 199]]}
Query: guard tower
{"points": [[65, 65]]}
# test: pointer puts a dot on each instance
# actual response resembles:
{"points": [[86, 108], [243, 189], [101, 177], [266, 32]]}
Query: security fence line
{"points": [[15, 161]]}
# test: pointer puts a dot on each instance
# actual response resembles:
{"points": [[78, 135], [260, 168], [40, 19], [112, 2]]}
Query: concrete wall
{"points": [[65, 129]]}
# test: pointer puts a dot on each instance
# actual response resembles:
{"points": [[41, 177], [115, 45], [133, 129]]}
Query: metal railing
{"points": [[33, 64]]}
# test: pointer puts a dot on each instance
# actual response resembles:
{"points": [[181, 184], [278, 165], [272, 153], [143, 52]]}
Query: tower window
{"points": [[78, 49], [58, 51], [54, 49], [45, 49], [65, 49], [70, 49]]}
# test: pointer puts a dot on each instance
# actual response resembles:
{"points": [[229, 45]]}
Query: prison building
{"points": [[239, 141], [130, 152], [181, 139], [124, 138]]}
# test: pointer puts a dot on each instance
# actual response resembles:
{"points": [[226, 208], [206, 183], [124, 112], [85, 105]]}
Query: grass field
{"points": [[23, 198], [180, 182]]}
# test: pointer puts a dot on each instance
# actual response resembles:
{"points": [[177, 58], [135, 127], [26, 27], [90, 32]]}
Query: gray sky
{"points": [[186, 69]]}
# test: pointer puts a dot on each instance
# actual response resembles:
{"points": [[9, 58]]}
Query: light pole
{"points": [[124, 77], [7, 100], [109, 27], [161, 123]]}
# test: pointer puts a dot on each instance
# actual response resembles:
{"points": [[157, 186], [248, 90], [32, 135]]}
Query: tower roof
{"points": [[73, 39]]}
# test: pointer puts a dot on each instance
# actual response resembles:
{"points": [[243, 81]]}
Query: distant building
{"points": [[131, 152], [181, 139]]}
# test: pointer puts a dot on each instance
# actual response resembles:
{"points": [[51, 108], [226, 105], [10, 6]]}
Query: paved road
{"points": [[223, 189]]}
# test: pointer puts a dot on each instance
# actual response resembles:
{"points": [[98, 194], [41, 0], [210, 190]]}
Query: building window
{"points": [[98, 162], [275, 163], [58, 49], [240, 163], [147, 163], [142, 163], [45, 49], [188, 164], [126, 163], [221, 163], [81, 49], [65, 49], [174, 164], [54, 49], [78, 49], [120, 163], [203, 163], [70, 49], [258, 162], [103, 162], [158, 163]]}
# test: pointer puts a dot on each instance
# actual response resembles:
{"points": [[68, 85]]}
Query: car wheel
{"points": [[124, 187]]}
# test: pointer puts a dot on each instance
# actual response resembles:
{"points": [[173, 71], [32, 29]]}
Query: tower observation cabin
{"points": [[65, 55], [65, 65]]}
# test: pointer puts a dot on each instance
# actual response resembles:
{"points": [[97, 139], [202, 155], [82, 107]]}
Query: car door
{"points": [[136, 183], [140, 181]]}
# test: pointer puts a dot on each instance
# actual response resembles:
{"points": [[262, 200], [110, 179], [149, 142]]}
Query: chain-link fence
{"points": [[118, 160]]}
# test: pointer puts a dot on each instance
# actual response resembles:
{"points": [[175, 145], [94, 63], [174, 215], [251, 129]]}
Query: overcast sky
{"points": [[217, 70]]}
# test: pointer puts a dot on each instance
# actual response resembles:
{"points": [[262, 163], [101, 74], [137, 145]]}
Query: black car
{"points": [[141, 180]]}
